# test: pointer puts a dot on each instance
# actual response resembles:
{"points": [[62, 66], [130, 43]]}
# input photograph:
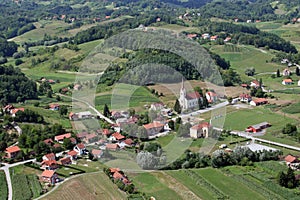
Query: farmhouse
{"points": [[112, 147], [287, 81], [49, 164], [188, 100], [211, 97], [80, 149], [65, 161], [258, 127], [200, 130], [258, 101], [97, 153], [117, 136], [49, 176], [291, 161], [49, 156], [49, 142], [12, 152], [54, 107], [286, 72], [154, 128], [72, 154], [14, 111], [90, 138], [255, 84], [245, 98], [80, 115], [60, 138]]}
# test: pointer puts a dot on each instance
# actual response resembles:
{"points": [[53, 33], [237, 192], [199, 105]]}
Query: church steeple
{"points": [[182, 90]]}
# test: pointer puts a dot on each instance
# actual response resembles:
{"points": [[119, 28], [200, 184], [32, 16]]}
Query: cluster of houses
{"points": [[117, 174], [10, 109], [206, 36]]}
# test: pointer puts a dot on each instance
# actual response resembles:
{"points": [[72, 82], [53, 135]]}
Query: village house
{"points": [[205, 36], [258, 127], [49, 156], [90, 138], [111, 146], [82, 135], [117, 174], [54, 107], [157, 106], [12, 152], [14, 111], [116, 136], [292, 161], [49, 164], [60, 138], [258, 101], [255, 84], [227, 39], [211, 97], [8, 108], [49, 176], [245, 98], [188, 100], [97, 153], [65, 161], [126, 143], [48, 142], [80, 115], [192, 36], [287, 81], [200, 130], [214, 38], [286, 72], [299, 83], [154, 128], [72, 154], [80, 149], [106, 133], [77, 87]]}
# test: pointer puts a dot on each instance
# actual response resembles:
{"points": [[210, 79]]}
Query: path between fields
{"points": [[178, 187], [7, 174]]}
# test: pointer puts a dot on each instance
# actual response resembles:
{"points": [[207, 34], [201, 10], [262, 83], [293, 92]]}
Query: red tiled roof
{"points": [[90, 136], [113, 170], [49, 162], [111, 146], [212, 94], [153, 125], [81, 146], [61, 137], [193, 95], [118, 136], [72, 153], [245, 96], [118, 175], [288, 80], [14, 111], [96, 151], [56, 145], [47, 141], [65, 160], [48, 173], [73, 140], [260, 100], [50, 156], [201, 125], [290, 158], [82, 134], [244, 85], [53, 105], [106, 132], [12, 149], [255, 82], [128, 141]]}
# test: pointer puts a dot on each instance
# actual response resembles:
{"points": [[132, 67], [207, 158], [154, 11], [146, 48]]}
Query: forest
{"points": [[15, 86]]}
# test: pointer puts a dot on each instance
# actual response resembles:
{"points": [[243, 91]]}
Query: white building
{"points": [[188, 100]]}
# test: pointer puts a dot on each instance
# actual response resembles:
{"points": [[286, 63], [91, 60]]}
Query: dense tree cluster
{"points": [[7, 48], [220, 158], [288, 179], [15, 86], [28, 116]]}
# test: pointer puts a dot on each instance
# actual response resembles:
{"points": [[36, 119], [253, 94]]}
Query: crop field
{"points": [[3, 188], [25, 186], [292, 109], [89, 186]]}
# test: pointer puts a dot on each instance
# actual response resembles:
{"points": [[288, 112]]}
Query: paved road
{"points": [[249, 136], [91, 107], [7, 174]]}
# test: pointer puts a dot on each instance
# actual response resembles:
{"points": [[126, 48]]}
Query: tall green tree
{"points": [[177, 107], [297, 71], [106, 111], [63, 110]]}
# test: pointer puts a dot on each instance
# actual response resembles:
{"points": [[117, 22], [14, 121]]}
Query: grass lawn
{"points": [[93, 186], [3, 188], [292, 109], [149, 184], [242, 118], [163, 141], [126, 96]]}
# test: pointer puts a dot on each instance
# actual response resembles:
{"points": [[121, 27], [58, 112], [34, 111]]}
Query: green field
{"points": [[3, 188], [241, 119], [126, 96], [25, 186], [93, 186], [292, 109]]}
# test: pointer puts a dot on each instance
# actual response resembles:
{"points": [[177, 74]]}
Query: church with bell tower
{"points": [[189, 100]]}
